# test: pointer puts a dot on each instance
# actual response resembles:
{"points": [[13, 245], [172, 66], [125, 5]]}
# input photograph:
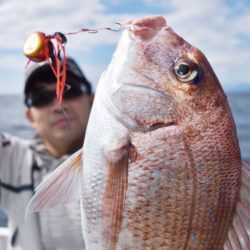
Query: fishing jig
{"points": [[40, 47]]}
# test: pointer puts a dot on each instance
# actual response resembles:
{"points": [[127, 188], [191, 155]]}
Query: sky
{"points": [[219, 28]]}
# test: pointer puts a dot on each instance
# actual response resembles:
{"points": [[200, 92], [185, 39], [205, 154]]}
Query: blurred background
{"points": [[220, 28]]}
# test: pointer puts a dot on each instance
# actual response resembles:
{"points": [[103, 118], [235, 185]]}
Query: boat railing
{"points": [[4, 233]]}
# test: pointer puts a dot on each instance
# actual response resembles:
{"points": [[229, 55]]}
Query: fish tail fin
{"points": [[61, 186], [239, 233]]}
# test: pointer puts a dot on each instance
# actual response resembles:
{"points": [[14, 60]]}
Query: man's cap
{"points": [[42, 72]]}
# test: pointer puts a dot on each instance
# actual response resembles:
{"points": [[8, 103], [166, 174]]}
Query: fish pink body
{"points": [[161, 161]]}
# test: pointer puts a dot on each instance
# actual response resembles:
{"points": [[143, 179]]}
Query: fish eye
{"points": [[187, 71]]}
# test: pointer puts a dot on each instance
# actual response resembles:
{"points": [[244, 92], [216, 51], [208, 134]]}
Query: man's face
{"points": [[52, 125]]}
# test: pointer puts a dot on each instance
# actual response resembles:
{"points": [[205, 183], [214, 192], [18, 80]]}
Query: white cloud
{"points": [[6, 62], [93, 73], [18, 20], [220, 30]]}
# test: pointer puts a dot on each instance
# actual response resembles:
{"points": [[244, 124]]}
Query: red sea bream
{"points": [[161, 166]]}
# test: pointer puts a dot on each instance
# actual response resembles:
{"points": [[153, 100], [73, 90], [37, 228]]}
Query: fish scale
{"points": [[152, 213], [161, 166], [227, 177]]}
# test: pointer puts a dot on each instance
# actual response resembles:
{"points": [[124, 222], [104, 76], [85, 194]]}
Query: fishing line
{"points": [[40, 47]]}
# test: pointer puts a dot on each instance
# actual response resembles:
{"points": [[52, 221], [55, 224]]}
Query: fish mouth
{"points": [[159, 125], [135, 121]]}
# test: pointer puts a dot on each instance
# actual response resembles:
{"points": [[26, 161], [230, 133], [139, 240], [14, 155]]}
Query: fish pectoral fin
{"points": [[239, 233], [61, 186], [115, 192]]}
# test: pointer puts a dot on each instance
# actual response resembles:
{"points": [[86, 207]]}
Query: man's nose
{"points": [[57, 107]]}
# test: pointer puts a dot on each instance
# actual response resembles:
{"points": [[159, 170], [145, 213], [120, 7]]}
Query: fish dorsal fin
{"points": [[61, 186], [239, 233]]}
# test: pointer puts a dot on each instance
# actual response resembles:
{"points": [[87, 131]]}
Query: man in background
{"points": [[25, 163]]}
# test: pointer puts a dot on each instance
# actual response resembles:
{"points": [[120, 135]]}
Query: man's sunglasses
{"points": [[41, 98]]}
